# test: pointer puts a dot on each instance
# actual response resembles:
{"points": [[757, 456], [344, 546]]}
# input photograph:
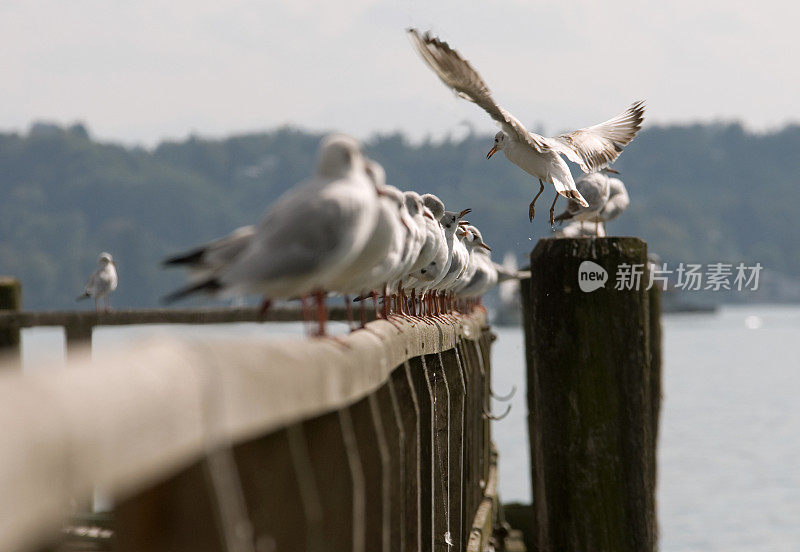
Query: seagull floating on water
{"points": [[592, 148], [102, 282]]}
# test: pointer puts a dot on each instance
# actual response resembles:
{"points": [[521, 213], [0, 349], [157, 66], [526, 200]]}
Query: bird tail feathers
{"points": [[568, 190], [190, 258], [84, 295], [210, 286]]}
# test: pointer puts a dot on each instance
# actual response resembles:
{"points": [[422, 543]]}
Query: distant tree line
{"points": [[700, 193]]}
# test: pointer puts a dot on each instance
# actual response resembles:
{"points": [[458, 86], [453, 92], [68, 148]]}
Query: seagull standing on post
{"points": [[592, 148], [595, 188]]}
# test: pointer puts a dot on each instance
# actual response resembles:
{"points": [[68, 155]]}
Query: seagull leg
{"points": [[375, 304], [596, 226], [304, 308], [531, 209], [552, 210], [262, 312], [386, 305], [363, 312], [349, 310], [322, 312]]}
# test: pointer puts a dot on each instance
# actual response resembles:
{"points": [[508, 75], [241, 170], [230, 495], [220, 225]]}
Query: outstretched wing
{"points": [[458, 74], [594, 147]]}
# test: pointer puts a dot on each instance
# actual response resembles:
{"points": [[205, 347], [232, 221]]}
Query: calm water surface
{"points": [[729, 451], [729, 454]]}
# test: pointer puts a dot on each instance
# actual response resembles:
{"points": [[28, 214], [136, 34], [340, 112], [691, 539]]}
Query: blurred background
{"points": [[143, 128]]}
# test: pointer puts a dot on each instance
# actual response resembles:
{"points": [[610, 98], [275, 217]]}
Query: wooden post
{"points": [[591, 397], [10, 299], [78, 339]]}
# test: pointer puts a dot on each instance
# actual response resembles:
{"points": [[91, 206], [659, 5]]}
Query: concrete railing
{"points": [[374, 441]]}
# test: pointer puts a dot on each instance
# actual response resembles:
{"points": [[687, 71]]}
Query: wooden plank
{"points": [[337, 482], [418, 380], [270, 480], [406, 397], [123, 317], [374, 456], [457, 388], [392, 420], [440, 392], [175, 515]]}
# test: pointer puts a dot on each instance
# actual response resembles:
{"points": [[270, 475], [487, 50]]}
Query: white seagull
{"points": [[592, 148], [595, 188], [576, 229], [308, 237], [618, 200], [102, 282]]}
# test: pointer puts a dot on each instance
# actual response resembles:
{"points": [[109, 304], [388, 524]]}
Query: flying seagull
{"points": [[592, 148]]}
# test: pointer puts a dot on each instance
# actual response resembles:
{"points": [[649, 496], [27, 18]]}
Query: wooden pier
{"points": [[378, 440]]}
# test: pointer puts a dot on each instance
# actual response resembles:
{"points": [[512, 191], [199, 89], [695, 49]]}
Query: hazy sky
{"points": [[141, 71]]}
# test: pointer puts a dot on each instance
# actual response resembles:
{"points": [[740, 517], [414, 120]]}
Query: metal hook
{"points": [[504, 398], [491, 416]]}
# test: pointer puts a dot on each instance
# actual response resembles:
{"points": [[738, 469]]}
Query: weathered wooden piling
{"points": [[593, 395], [10, 300]]}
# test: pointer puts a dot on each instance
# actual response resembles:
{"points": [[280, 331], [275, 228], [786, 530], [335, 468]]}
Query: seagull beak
{"points": [[463, 222], [464, 213], [461, 233], [609, 169], [486, 247], [491, 152]]}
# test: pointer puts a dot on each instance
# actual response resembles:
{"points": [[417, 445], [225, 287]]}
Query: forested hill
{"points": [[700, 193]]}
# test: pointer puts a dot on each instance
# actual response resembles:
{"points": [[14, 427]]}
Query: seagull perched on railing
{"points": [[308, 238], [592, 148], [102, 282]]}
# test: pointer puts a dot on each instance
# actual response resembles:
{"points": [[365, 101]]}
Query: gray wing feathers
{"points": [[458, 74]]}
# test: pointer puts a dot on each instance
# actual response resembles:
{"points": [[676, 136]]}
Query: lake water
{"points": [[729, 451]]}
